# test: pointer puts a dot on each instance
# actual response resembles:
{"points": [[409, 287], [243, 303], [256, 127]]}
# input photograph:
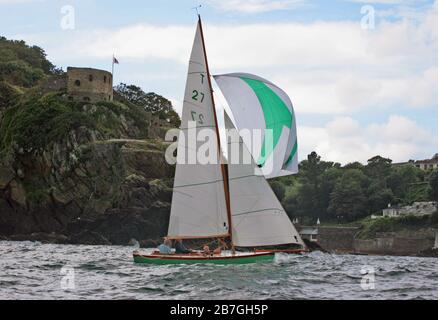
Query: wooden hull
{"points": [[199, 259]]}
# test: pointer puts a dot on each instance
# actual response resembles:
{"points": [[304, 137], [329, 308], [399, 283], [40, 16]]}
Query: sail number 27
{"points": [[198, 96], [198, 118]]}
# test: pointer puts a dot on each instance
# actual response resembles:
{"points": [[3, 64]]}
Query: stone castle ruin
{"points": [[82, 84], [93, 85], [90, 85]]}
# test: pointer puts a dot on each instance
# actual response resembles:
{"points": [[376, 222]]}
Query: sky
{"points": [[362, 74]]}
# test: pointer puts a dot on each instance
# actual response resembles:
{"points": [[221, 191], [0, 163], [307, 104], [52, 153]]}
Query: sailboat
{"points": [[221, 200]]}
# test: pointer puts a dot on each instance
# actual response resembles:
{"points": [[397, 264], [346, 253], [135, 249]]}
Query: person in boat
{"points": [[206, 251], [181, 248], [166, 247], [221, 246]]}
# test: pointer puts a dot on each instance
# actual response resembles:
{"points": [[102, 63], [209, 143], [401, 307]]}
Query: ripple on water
{"points": [[33, 271]]}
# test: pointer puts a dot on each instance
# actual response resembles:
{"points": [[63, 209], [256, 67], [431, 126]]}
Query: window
{"points": [[77, 83], [90, 77], [86, 99], [104, 79]]}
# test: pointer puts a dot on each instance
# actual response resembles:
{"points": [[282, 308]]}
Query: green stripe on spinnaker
{"points": [[277, 115], [293, 153]]}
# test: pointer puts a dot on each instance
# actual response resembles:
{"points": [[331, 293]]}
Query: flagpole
{"points": [[112, 76]]}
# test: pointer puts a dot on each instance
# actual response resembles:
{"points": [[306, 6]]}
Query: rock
{"points": [[18, 194], [6, 176], [89, 238], [148, 244], [91, 185], [41, 237], [431, 253], [20, 173]]}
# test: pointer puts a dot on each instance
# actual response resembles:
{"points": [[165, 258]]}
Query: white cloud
{"points": [[255, 6], [331, 68], [344, 140], [327, 67]]}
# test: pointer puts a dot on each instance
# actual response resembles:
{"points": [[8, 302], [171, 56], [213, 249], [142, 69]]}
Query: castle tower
{"points": [[90, 85]]}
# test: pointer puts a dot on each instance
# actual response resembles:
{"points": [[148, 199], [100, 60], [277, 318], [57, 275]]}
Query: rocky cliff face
{"points": [[81, 173]]}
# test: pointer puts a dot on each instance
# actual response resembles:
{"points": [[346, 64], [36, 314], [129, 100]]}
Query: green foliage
{"points": [[8, 95], [348, 200], [433, 182], [378, 167], [136, 114], [371, 227], [279, 189], [38, 122], [23, 65], [401, 181], [20, 73], [36, 193], [330, 192], [312, 197], [151, 102]]}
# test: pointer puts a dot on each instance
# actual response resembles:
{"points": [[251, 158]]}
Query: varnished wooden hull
{"points": [[199, 259]]}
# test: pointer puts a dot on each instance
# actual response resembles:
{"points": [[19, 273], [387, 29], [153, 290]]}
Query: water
{"points": [[34, 271]]}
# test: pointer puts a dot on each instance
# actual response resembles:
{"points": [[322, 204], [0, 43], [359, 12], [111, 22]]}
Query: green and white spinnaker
{"points": [[257, 104]]}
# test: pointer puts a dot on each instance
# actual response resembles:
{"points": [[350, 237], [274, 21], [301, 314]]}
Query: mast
{"points": [[224, 167]]}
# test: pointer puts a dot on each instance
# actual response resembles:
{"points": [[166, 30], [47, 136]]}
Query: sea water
{"points": [[35, 271]]}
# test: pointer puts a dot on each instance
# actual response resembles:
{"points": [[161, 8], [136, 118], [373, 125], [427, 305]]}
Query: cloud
{"points": [[255, 6], [344, 140], [327, 67], [332, 68]]}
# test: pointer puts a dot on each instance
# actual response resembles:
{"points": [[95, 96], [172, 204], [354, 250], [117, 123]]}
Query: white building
{"points": [[417, 209], [309, 233]]}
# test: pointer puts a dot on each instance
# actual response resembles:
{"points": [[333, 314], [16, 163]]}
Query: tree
{"points": [[354, 165], [132, 94], [433, 186], [151, 102], [348, 200], [378, 167], [401, 180], [310, 202], [328, 182], [378, 197], [279, 189]]}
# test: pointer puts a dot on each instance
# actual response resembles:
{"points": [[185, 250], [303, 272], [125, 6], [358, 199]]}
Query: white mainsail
{"points": [[198, 206], [257, 104], [258, 218]]}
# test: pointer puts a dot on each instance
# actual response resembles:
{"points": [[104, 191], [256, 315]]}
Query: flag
{"points": [[115, 61]]}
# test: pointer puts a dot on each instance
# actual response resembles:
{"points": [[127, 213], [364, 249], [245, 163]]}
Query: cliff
{"points": [[81, 173], [77, 172]]}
